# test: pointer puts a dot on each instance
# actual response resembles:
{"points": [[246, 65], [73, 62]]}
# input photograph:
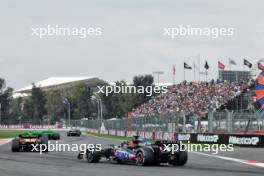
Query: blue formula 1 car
{"points": [[139, 152]]}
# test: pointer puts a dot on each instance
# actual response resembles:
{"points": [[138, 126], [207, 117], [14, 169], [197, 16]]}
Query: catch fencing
{"points": [[216, 122], [245, 129]]}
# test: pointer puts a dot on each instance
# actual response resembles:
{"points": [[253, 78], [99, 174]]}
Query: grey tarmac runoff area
{"points": [[66, 163]]}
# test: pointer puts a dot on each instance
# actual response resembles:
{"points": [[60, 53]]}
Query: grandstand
{"points": [[197, 98], [62, 84]]}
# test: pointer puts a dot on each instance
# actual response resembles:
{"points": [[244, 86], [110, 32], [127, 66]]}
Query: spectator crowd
{"points": [[194, 98]]}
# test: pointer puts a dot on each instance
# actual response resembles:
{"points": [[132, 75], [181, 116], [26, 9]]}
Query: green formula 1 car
{"points": [[51, 134]]}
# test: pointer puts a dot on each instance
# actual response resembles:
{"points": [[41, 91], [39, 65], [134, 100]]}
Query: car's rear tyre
{"points": [[44, 141], [180, 159], [56, 136], [144, 157], [92, 157], [15, 145]]}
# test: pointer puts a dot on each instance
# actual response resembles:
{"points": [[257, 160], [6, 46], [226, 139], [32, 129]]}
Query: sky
{"points": [[132, 40]]}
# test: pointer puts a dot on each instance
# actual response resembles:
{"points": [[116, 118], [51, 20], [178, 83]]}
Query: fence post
{"points": [[159, 121], [258, 119], [229, 121], [210, 121], [184, 123]]}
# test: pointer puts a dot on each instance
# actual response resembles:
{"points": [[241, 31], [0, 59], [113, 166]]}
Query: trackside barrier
{"points": [[148, 135], [112, 132], [11, 126], [158, 135], [104, 132], [131, 133], [243, 140], [120, 133], [28, 127], [168, 136]]}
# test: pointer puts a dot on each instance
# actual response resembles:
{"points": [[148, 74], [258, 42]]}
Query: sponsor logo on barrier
{"points": [[148, 135], [207, 138], [184, 137], [120, 133], [244, 140], [131, 133], [158, 135], [112, 132]]}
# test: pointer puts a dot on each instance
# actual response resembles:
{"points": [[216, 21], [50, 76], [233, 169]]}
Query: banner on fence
{"points": [[244, 140]]}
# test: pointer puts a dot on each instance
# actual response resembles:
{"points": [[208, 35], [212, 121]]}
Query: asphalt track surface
{"points": [[66, 163]]}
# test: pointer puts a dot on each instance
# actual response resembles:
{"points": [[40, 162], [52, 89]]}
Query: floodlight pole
{"points": [[1, 110], [66, 101], [158, 73], [100, 110]]}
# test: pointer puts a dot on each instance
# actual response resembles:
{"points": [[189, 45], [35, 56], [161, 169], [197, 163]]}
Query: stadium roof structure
{"points": [[55, 83]]}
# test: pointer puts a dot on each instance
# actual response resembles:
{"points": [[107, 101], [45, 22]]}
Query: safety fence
{"points": [[243, 140], [219, 122], [28, 126]]}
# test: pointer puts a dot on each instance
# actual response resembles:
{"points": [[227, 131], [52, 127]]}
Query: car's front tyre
{"points": [[144, 157]]}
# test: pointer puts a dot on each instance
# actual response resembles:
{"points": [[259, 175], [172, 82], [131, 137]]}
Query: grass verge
{"points": [[9, 133]]}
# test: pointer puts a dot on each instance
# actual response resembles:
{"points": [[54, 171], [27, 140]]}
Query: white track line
{"points": [[248, 162], [5, 141]]}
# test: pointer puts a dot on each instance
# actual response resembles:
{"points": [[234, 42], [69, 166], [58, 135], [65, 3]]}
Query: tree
{"points": [[54, 105], [81, 102], [2, 84], [5, 100], [118, 105], [16, 114], [145, 81], [38, 101], [115, 104], [28, 111]]}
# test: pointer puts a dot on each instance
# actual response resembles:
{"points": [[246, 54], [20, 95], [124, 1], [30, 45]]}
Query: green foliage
{"points": [[144, 81], [16, 113], [2, 84], [80, 100], [35, 108], [10, 133], [118, 105], [55, 106], [5, 100], [50, 104]]}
